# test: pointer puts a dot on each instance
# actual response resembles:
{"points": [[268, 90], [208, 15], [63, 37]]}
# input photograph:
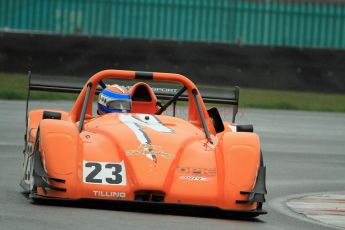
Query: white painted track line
{"points": [[328, 208]]}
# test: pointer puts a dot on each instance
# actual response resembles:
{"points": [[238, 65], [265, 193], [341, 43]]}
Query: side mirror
{"points": [[216, 119]]}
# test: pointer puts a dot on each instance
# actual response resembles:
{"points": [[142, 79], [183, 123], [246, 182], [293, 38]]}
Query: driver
{"points": [[114, 99]]}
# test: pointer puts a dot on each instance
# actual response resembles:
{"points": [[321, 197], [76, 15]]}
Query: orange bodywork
{"points": [[121, 156]]}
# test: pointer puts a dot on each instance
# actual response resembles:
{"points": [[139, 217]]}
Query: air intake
{"points": [[149, 196]]}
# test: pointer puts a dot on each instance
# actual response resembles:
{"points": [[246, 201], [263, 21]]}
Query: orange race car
{"points": [[132, 151]]}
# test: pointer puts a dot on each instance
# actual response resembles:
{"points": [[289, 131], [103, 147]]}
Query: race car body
{"points": [[145, 155]]}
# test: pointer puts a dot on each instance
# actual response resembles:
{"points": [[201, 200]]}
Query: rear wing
{"points": [[210, 94]]}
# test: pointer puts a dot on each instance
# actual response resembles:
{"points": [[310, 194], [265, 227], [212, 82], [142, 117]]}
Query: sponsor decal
{"points": [[164, 90], [158, 89], [137, 123], [118, 195], [151, 152], [107, 173], [207, 172], [193, 178]]}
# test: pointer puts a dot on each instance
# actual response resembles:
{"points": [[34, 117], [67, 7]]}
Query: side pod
{"points": [[244, 173], [259, 191], [57, 159], [40, 175]]}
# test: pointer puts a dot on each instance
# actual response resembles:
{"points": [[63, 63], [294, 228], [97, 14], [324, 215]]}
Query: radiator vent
{"points": [[149, 196]]}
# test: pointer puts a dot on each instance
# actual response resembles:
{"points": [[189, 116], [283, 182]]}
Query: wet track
{"points": [[304, 153]]}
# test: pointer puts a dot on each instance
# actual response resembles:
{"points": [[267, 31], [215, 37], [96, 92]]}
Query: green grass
{"points": [[14, 87], [274, 99]]}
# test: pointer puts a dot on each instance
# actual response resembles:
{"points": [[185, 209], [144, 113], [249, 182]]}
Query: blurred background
{"points": [[286, 54]]}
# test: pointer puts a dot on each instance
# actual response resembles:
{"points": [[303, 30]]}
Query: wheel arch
{"points": [[59, 149], [241, 152], [59, 145]]}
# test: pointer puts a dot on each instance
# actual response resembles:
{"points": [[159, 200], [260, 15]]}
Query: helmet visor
{"points": [[120, 104]]}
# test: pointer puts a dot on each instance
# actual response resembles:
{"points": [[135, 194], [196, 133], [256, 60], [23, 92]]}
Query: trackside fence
{"points": [[292, 23]]}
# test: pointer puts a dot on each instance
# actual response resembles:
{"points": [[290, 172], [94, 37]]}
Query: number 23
{"points": [[104, 173]]}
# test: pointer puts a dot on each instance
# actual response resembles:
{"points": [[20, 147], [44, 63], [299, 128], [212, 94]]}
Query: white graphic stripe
{"points": [[136, 125]]}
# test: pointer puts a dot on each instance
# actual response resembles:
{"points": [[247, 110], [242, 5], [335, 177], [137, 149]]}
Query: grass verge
{"points": [[14, 87]]}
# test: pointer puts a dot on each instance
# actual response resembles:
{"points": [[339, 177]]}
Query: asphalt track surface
{"points": [[304, 153]]}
